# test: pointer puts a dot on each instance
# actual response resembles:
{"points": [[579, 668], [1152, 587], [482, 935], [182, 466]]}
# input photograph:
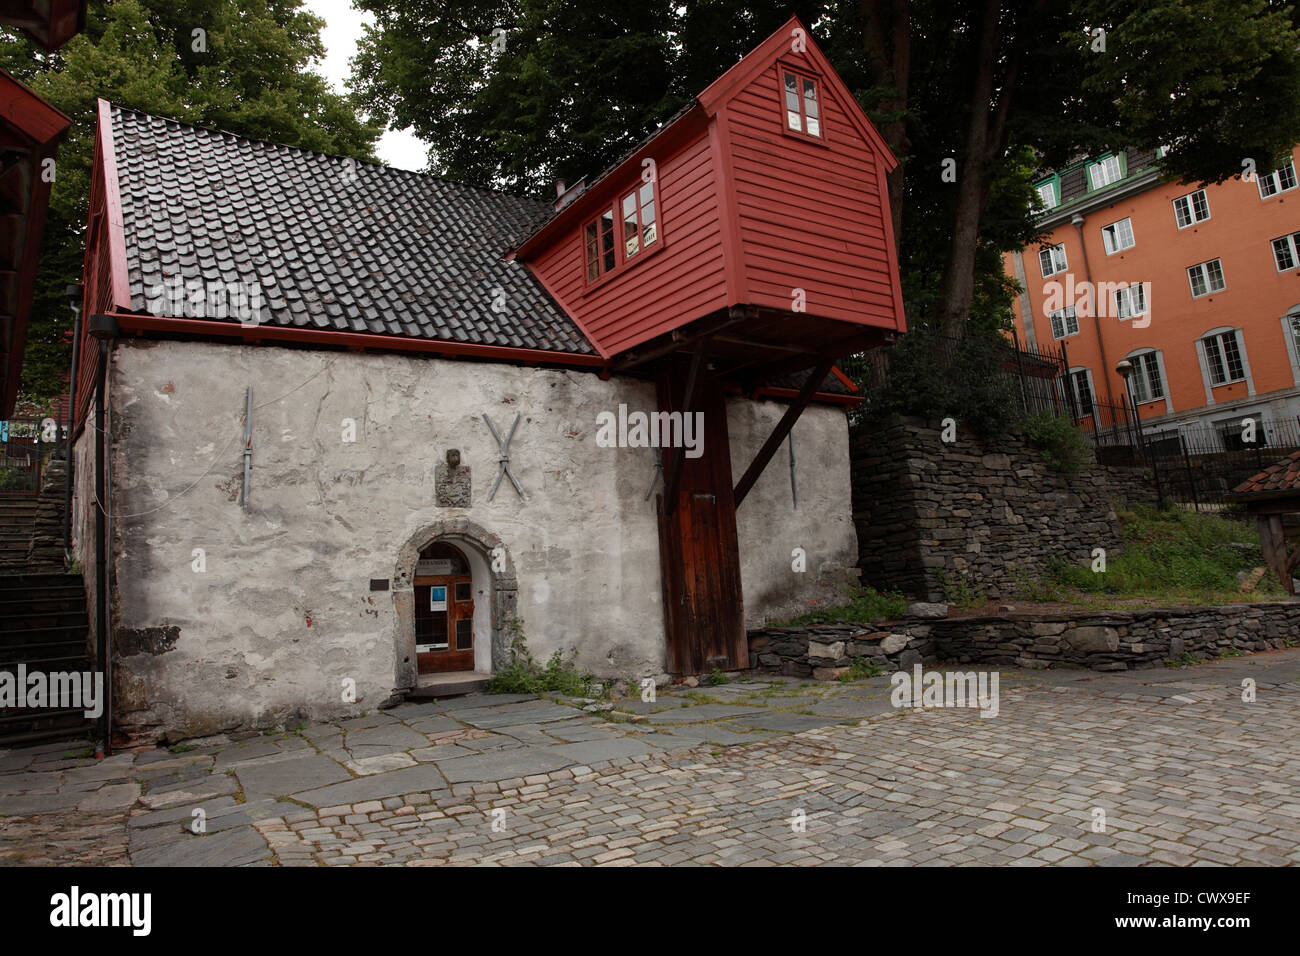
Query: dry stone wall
{"points": [[936, 517]]}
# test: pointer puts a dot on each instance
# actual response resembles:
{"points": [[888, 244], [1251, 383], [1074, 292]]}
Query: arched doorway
{"points": [[444, 610], [493, 592]]}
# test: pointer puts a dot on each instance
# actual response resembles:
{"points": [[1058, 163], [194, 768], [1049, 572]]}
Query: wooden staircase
{"points": [[17, 518]]}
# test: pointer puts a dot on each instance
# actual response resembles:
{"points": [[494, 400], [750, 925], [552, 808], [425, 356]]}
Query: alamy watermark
{"points": [[651, 430], [65, 690], [199, 299], [922, 689]]}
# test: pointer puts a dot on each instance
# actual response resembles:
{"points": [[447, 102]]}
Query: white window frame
{"points": [[1054, 200], [1131, 302], [1142, 373], [1275, 181], [1105, 166], [1051, 252], [1113, 236], [1291, 335], [1065, 317], [1189, 205], [1220, 354], [1204, 272], [1292, 249], [1074, 391]]}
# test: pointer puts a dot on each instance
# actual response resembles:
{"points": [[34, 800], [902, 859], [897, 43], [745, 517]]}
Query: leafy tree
{"points": [[1000, 88], [246, 71]]}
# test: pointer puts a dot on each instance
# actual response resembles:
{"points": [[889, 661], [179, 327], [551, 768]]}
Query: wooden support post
{"points": [[694, 380], [782, 429], [1272, 541]]}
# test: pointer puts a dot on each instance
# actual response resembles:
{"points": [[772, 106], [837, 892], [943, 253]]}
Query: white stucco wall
{"points": [[328, 516]]}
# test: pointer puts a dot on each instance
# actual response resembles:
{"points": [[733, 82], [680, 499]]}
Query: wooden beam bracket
{"points": [[781, 430]]}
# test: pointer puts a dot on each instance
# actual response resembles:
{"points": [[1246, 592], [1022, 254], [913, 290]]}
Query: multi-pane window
{"points": [[639, 230], [1064, 322], [1223, 358], [1293, 323], [1047, 194], [1080, 382], [1206, 277], [1104, 172], [1191, 209], [1052, 260], [802, 104], [1284, 252], [1145, 381], [1278, 181], [1131, 301], [1117, 236]]}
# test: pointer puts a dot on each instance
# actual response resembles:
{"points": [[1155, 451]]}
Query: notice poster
{"points": [[437, 599]]}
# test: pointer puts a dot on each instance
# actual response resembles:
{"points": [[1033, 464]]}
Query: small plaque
{"points": [[379, 584]]}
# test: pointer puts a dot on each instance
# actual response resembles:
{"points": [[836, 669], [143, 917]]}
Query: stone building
{"points": [[345, 422]]}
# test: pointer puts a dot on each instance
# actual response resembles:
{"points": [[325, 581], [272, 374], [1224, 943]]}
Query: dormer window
{"points": [[802, 108], [636, 217]]}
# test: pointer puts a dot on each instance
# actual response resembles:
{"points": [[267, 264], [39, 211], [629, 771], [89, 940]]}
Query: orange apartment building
{"points": [[1198, 288]]}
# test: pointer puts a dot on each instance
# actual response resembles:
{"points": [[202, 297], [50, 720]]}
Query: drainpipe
{"points": [[74, 293], [102, 328], [1077, 222]]}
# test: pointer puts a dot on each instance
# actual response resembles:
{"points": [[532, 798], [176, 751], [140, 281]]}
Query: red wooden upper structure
{"points": [[766, 195]]}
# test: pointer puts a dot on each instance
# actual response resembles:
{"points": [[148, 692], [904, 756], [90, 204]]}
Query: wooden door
{"points": [[444, 623], [699, 553]]}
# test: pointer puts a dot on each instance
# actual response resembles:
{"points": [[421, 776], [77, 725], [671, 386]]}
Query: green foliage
{"points": [[718, 678], [860, 669], [864, 604], [957, 592], [931, 376], [523, 675], [1176, 555], [13, 479], [254, 78], [1064, 447]]}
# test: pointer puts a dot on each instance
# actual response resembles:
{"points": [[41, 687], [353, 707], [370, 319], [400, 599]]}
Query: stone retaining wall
{"points": [[1100, 640], [934, 516]]}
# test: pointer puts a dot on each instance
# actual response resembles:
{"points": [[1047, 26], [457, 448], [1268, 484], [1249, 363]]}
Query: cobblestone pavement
{"points": [[1077, 768]]}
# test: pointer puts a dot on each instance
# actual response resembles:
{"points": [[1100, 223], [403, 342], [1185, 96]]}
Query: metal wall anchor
{"points": [[503, 459], [659, 474]]}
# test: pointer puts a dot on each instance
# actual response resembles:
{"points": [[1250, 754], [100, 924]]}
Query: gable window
{"points": [[1118, 236], [611, 241], [1065, 322], [802, 104], [1052, 260], [1146, 381], [1104, 172], [1206, 278], [1131, 301], [1191, 209], [1223, 357], [1081, 384], [1047, 194], [1278, 181], [1284, 252]]}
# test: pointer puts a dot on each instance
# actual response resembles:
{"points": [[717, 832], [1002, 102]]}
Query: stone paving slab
{"points": [[490, 718], [596, 751], [504, 764], [236, 847], [294, 775], [424, 777], [702, 712]]}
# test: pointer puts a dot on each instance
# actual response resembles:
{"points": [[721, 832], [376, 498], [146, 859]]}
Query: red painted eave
{"points": [[51, 23]]}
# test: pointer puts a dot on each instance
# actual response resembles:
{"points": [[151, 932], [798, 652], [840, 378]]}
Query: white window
{"points": [[1065, 322], [1047, 195], [1052, 260], [1284, 252], [1223, 357], [1104, 172], [802, 109], [1206, 278], [1278, 181], [1146, 381], [1131, 301], [1118, 236], [1191, 209], [1081, 384], [1293, 323]]}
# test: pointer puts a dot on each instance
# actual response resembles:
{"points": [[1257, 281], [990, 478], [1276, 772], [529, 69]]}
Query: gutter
{"points": [[103, 329]]}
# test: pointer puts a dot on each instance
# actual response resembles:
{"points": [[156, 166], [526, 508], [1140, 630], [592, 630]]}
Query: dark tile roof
{"points": [[331, 243], [1279, 477]]}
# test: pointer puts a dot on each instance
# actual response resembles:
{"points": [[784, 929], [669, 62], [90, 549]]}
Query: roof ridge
{"points": [[335, 156]]}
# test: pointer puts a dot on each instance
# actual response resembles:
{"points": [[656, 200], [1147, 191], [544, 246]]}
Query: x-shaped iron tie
{"points": [[503, 459]]}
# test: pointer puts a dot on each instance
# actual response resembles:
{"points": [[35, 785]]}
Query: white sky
{"points": [[343, 24]]}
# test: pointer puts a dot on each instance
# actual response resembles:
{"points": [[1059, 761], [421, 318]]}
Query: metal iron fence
{"points": [[25, 445]]}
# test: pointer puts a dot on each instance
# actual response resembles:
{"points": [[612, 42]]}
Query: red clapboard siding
{"points": [[749, 213], [811, 215], [677, 284]]}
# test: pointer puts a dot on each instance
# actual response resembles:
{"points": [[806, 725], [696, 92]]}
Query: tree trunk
{"points": [[887, 38]]}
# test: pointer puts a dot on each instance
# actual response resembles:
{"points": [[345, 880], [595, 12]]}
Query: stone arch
{"points": [[503, 591]]}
